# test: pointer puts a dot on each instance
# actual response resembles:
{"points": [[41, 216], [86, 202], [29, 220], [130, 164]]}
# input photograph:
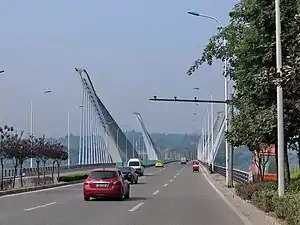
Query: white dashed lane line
{"points": [[39, 206], [156, 192], [165, 185], [171, 180], [136, 207]]}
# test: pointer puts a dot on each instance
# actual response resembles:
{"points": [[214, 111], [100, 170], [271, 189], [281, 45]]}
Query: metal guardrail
{"points": [[30, 172], [27, 172], [238, 175]]}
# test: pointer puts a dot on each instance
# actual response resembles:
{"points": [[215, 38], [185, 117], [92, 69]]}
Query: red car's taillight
{"points": [[87, 182]]}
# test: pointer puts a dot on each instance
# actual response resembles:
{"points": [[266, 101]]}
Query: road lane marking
{"points": [[40, 206], [165, 185], [174, 176], [155, 193], [171, 180], [134, 208], [245, 220]]}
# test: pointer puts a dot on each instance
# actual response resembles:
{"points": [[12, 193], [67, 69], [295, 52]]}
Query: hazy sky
{"points": [[132, 50]]}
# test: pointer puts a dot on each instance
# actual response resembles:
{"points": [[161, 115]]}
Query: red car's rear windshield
{"points": [[102, 174]]}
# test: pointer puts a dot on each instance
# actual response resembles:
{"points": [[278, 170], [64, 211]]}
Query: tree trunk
{"points": [[298, 152], [44, 162], [58, 166], [287, 164], [15, 173], [2, 173], [38, 171], [21, 173], [276, 158], [53, 167]]}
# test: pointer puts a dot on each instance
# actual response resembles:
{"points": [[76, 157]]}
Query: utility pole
{"points": [[280, 124], [229, 155]]}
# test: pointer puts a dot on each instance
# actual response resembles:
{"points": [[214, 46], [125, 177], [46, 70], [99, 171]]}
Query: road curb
{"points": [[267, 218], [29, 189]]}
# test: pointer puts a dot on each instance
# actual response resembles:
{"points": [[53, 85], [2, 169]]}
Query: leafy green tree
{"points": [[251, 54]]}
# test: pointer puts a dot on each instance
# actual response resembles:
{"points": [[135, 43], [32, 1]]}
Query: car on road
{"points": [[130, 174], [106, 183], [137, 165], [159, 164], [196, 166]]}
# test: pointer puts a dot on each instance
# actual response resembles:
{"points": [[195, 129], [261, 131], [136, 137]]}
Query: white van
{"points": [[137, 165]]}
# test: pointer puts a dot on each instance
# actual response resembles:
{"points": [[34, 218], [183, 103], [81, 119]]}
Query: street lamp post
{"points": [[212, 127], [31, 121], [280, 124], [69, 139], [229, 181]]}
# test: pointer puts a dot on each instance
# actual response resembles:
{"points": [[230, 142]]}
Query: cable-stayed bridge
{"points": [[152, 152], [101, 138]]}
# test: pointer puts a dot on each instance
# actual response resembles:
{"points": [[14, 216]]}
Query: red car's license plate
{"points": [[101, 185]]}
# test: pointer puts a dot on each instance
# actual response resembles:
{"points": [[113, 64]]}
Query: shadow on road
{"points": [[136, 199], [114, 200]]}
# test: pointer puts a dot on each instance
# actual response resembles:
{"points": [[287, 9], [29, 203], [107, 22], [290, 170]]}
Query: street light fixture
{"points": [[31, 121], [1, 71], [229, 181], [280, 124], [69, 147]]}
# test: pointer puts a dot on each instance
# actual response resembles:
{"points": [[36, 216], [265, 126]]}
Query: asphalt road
{"points": [[170, 196]]}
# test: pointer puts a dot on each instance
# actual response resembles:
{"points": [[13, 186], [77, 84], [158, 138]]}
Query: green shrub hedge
{"points": [[246, 190], [264, 195], [73, 177]]}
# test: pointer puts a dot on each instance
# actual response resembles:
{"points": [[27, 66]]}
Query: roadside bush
{"points": [[73, 177], [7, 184], [41, 181], [246, 190], [294, 186], [287, 208], [265, 200]]}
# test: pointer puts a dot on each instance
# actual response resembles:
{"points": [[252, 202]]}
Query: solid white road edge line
{"points": [[136, 207], [155, 193], [40, 206], [245, 220]]}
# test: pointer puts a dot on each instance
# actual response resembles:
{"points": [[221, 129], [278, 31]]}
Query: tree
{"points": [[58, 155], [18, 150], [5, 132], [45, 155], [250, 52], [40, 154]]}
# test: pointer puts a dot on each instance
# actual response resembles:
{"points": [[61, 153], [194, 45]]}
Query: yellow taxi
{"points": [[159, 164]]}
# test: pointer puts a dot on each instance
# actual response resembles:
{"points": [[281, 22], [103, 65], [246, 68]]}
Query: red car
{"points": [[106, 183]]}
